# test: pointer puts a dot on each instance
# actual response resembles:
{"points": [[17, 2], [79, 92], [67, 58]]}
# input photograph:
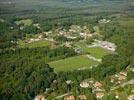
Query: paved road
{"points": [[93, 58], [124, 84], [61, 96]]}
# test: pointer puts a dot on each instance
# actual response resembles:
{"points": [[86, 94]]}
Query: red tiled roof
{"points": [[97, 84], [99, 95]]}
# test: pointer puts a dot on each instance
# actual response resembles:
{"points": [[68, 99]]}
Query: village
{"points": [[66, 50], [72, 38], [69, 37], [118, 80]]}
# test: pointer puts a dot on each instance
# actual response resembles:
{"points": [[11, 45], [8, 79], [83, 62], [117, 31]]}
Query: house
{"points": [[37, 25], [83, 34], [39, 97], [121, 77], [78, 50], [119, 82], [11, 27], [123, 73], [131, 69], [12, 41], [70, 97], [104, 21], [21, 27], [97, 85], [69, 82], [82, 97], [117, 97], [131, 97], [40, 36], [55, 81], [2, 20], [70, 37], [67, 44], [84, 84], [112, 80], [72, 30], [62, 33], [91, 81], [99, 95], [47, 89], [116, 75]]}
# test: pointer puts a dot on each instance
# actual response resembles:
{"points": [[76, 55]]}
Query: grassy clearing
{"points": [[97, 52], [2, 20], [125, 21], [42, 43], [72, 63], [128, 23], [26, 22]]}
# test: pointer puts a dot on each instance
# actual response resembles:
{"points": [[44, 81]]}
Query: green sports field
{"points": [[73, 63], [97, 52], [42, 43]]}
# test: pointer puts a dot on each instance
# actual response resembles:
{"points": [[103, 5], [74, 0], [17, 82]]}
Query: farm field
{"points": [[73, 63], [42, 43]]}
